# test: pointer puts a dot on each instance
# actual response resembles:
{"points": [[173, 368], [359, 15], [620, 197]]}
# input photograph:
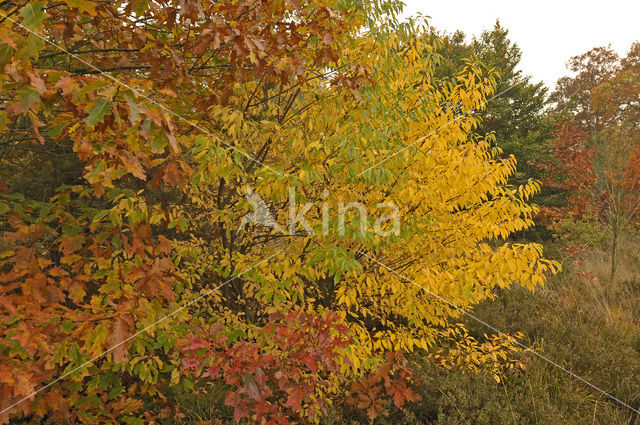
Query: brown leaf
{"points": [[37, 82], [71, 244], [190, 8], [133, 166], [119, 333], [67, 84]]}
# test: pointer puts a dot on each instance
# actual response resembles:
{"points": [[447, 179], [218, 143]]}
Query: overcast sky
{"points": [[548, 32]]}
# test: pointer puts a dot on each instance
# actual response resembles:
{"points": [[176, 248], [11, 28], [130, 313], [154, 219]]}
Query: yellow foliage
{"points": [[406, 139]]}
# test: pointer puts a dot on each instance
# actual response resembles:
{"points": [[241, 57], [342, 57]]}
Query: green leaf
{"points": [[115, 392], [5, 55], [32, 16], [100, 215], [187, 384], [67, 326], [101, 107], [132, 420], [27, 97], [90, 399], [134, 110], [31, 49]]}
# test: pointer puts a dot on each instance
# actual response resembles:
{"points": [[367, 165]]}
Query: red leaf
{"points": [[296, 395], [238, 413], [7, 305]]}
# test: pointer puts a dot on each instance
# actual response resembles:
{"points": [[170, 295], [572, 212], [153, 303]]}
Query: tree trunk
{"points": [[614, 247]]}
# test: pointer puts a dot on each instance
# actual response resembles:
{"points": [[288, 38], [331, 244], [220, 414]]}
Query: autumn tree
{"points": [[617, 100], [572, 95], [132, 132], [102, 105], [597, 143]]}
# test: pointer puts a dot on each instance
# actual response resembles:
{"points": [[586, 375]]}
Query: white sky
{"points": [[548, 32]]}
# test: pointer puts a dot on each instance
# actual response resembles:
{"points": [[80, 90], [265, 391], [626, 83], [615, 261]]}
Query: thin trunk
{"points": [[614, 247]]}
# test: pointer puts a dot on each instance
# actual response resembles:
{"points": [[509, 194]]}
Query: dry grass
{"points": [[586, 285]]}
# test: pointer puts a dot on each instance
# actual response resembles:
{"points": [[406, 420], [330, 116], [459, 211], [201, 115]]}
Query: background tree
{"points": [[601, 105], [572, 95], [617, 101], [516, 115]]}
